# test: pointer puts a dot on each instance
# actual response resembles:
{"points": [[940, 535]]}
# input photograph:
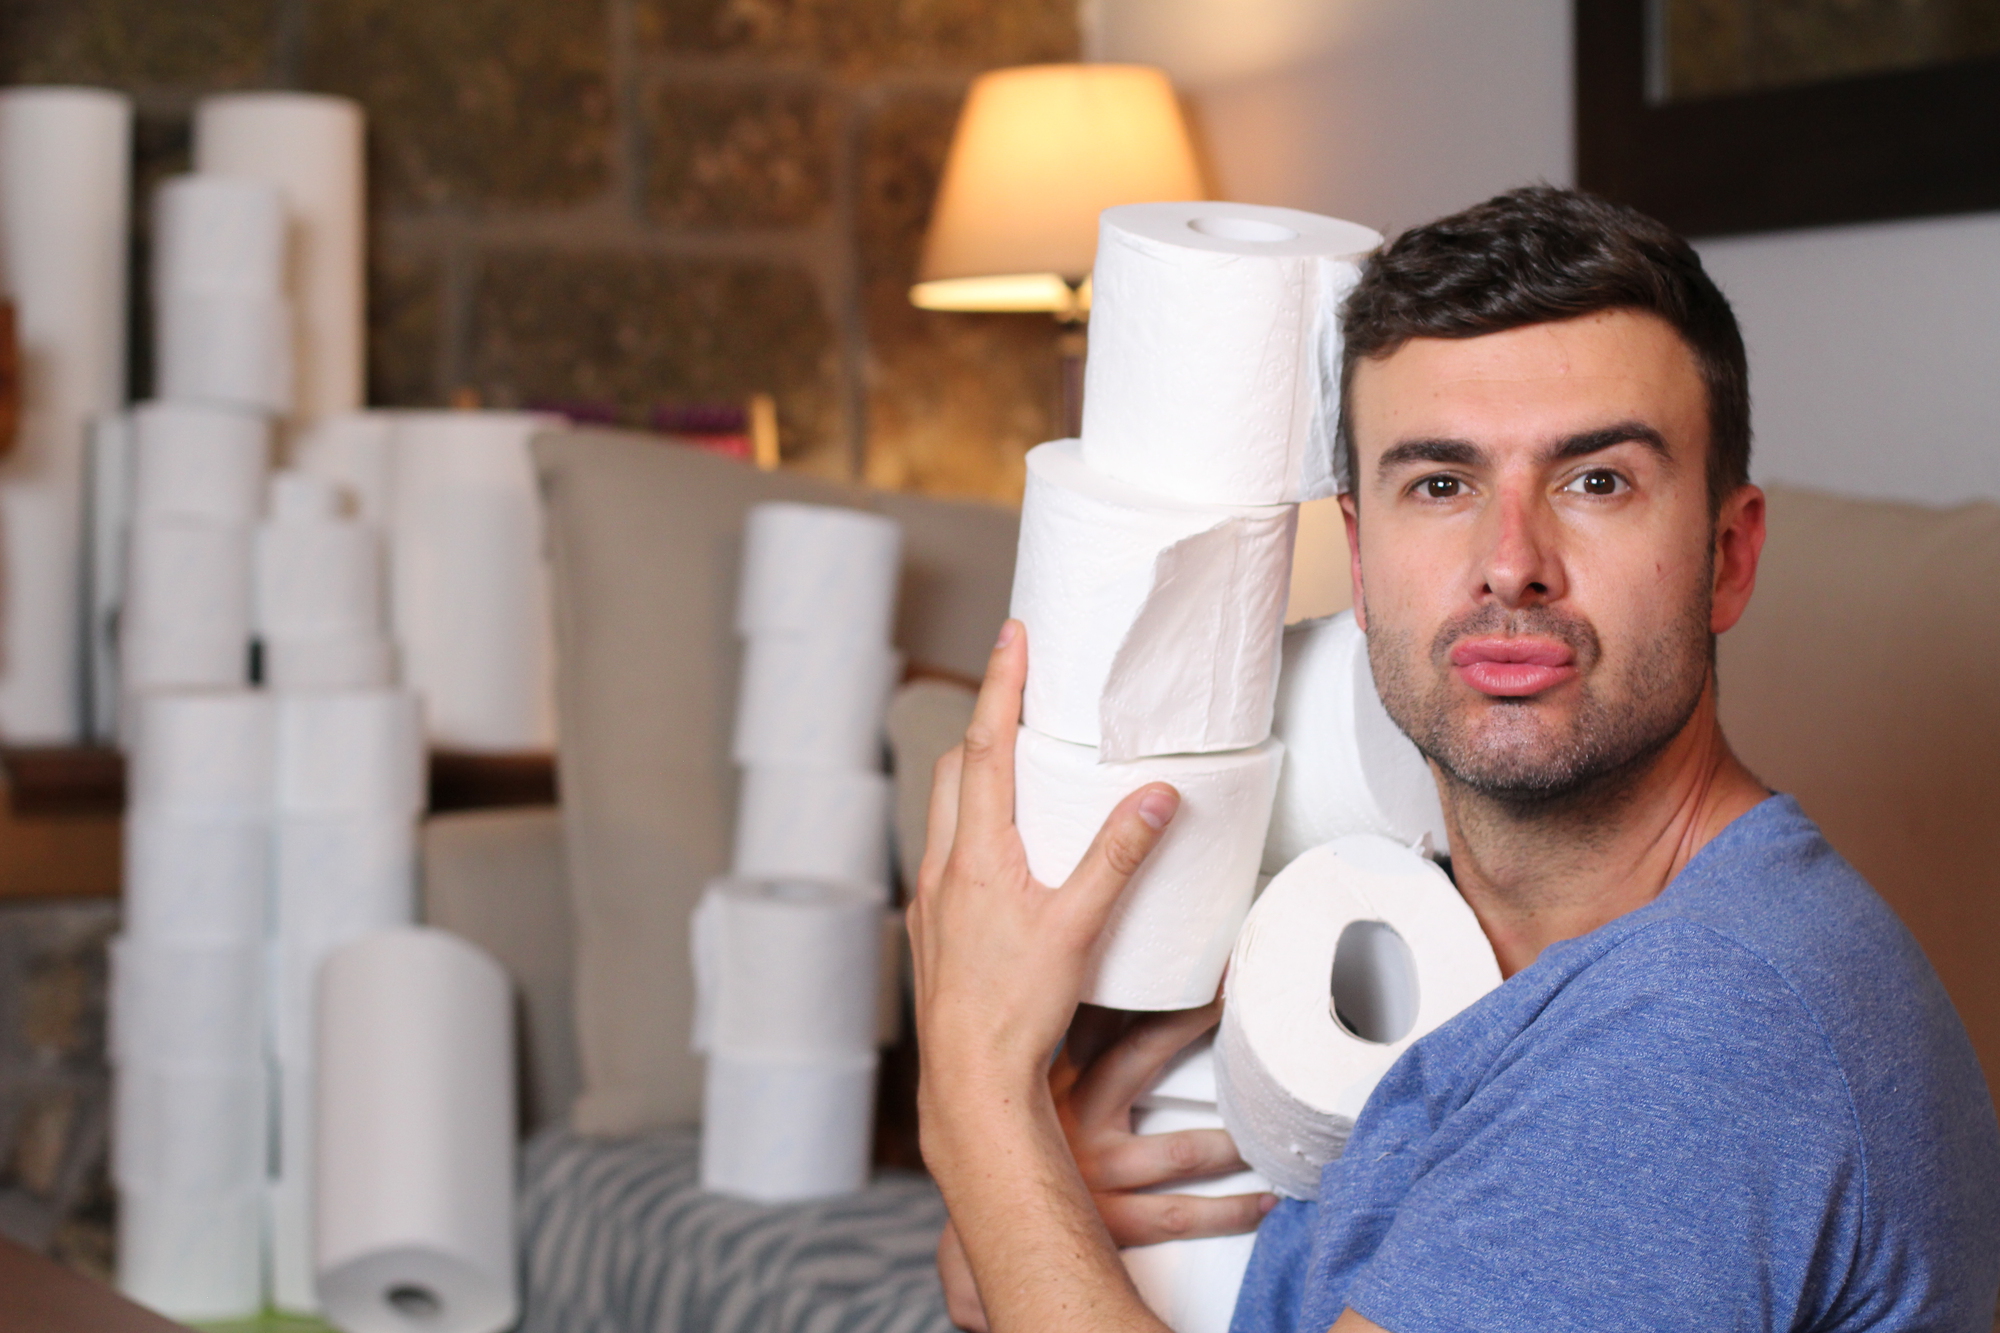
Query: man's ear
{"points": [[1739, 541], [1352, 513]]}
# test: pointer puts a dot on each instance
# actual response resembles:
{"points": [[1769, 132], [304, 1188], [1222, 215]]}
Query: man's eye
{"points": [[1440, 488], [1598, 481]]}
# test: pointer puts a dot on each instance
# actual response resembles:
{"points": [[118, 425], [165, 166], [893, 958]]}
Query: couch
{"points": [[1865, 679]]}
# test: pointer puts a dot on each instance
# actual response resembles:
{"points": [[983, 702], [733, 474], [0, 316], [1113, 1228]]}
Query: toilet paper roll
{"points": [[414, 1162], [1348, 767], [817, 823], [329, 662], [108, 517], [65, 168], [1192, 1284], [218, 235], [469, 588], [186, 615], [310, 147], [192, 1254], [187, 1006], [1153, 626], [225, 348], [786, 967], [193, 880], [355, 451], [202, 752], [813, 702], [1293, 1066], [199, 460], [293, 1282], [1215, 349], [350, 752], [819, 570], [317, 578], [1169, 936], [190, 1130], [778, 1131]]}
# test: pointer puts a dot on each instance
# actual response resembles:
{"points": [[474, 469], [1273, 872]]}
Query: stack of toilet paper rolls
{"points": [[188, 1003], [320, 591], [1154, 564]]}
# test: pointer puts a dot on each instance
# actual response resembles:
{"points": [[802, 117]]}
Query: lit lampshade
{"points": [[1040, 151]]}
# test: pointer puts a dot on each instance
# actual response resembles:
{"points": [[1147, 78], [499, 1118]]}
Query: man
{"points": [[1720, 1086]]}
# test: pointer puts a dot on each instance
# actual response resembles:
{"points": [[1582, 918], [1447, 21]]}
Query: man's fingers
{"points": [[1129, 833], [961, 1295], [986, 791], [1140, 1161], [942, 824], [1148, 1219], [1131, 1065]]}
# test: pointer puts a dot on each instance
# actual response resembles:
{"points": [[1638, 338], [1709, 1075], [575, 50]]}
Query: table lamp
{"points": [[1039, 152]]}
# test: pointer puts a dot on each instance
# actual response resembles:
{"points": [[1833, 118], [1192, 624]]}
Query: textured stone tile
{"points": [[863, 35], [955, 401], [194, 44], [633, 331], [406, 328], [739, 155], [493, 102]]}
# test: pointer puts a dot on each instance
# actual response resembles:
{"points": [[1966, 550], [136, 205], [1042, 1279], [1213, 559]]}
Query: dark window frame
{"points": [[1915, 143]]}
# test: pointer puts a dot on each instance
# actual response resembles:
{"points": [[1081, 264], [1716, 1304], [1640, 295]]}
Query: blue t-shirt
{"points": [[1747, 1105]]}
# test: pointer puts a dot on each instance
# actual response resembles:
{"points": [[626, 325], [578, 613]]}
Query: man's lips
{"points": [[1513, 667]]}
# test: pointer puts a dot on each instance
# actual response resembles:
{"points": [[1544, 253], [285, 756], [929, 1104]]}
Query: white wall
{"points": [[1874, 351]]}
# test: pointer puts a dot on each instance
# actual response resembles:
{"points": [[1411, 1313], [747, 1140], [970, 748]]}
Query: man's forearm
{"points": [[1038, 1248]]}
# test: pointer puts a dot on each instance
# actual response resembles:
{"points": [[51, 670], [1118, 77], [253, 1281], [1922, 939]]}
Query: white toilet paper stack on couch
{"points": [[1155, 558]]}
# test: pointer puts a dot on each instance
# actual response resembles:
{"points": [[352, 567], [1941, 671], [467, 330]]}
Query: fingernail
{"points": [[1157, 807], [1006, 635]]}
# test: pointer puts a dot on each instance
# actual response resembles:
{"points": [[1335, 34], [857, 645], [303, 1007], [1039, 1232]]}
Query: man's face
{"points": [[1534, 556]]}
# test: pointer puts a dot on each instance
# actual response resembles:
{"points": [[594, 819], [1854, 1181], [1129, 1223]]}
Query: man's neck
{"points": [[1556, 870]]}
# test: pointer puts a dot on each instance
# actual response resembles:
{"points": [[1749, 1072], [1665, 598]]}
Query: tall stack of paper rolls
{"points": [[65, 164], [190, 1131]]}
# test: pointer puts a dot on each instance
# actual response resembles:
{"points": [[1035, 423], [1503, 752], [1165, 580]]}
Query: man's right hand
{"points": [[1100, 1072]]}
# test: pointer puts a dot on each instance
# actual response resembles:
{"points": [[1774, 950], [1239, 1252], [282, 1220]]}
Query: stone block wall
{"points": [[620, 205]]}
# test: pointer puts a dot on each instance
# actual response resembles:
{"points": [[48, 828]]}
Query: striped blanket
{"points": [[617, 1237]]}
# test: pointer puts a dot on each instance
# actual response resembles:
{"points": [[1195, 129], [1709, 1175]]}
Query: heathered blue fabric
{"points": [[1748, 1105]]}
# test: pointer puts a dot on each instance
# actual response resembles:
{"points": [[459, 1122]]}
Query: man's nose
{"points": [[1521, 563]]}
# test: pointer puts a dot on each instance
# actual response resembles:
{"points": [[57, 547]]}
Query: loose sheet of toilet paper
{"points": [[786, 968], [780, 1130], [819, 570], [1169, 936], [1215, 349], [1348, 767], [1291, 1074], [819, 823], [1153, 625], [414, 1226]]}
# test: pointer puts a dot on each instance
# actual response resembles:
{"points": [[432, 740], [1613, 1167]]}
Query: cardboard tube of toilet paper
{"points": [[818, 823], [1215, 349], [781, 1129], [787, 967], [811, 701], [1153, 625], [414, 1169], [195, 880], [1169, 936], [350, 752], [1348, 767], [202, 752], [1294, 1066], [819, 570]]}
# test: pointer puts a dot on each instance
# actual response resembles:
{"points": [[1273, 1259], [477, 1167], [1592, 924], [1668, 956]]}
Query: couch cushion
{"points": [[1865, 680], [644, 540]]}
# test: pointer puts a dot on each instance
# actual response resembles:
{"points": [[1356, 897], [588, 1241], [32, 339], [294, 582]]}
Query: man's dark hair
{"points": [[1537, 255]]}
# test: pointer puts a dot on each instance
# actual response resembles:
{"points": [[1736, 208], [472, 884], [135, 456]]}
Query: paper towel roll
{"points": [[780, 1130], [1348, 767], [786, 967], [180, 1006], [108, 517], [355, 450], [190, 1130], [817, 823], [309, 146], [470, 591], [186, 618], [1404, 953], [225, 348], [1215, 349], [319, 578], [199, 460], [414, 1224], [65, 167], [218, 235], [1192, 1284], [819, 570], [1153, 626], [192, 1254], [1169, 936], [202, 752], [194, 880], [342, 752], [810, 702]]}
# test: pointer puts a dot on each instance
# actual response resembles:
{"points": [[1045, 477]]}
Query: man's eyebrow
{"points": [[1459, 453], [1604, 437]]}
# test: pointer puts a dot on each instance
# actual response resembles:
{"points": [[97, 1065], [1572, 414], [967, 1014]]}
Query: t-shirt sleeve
{"points": [[1675, 1148]]}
